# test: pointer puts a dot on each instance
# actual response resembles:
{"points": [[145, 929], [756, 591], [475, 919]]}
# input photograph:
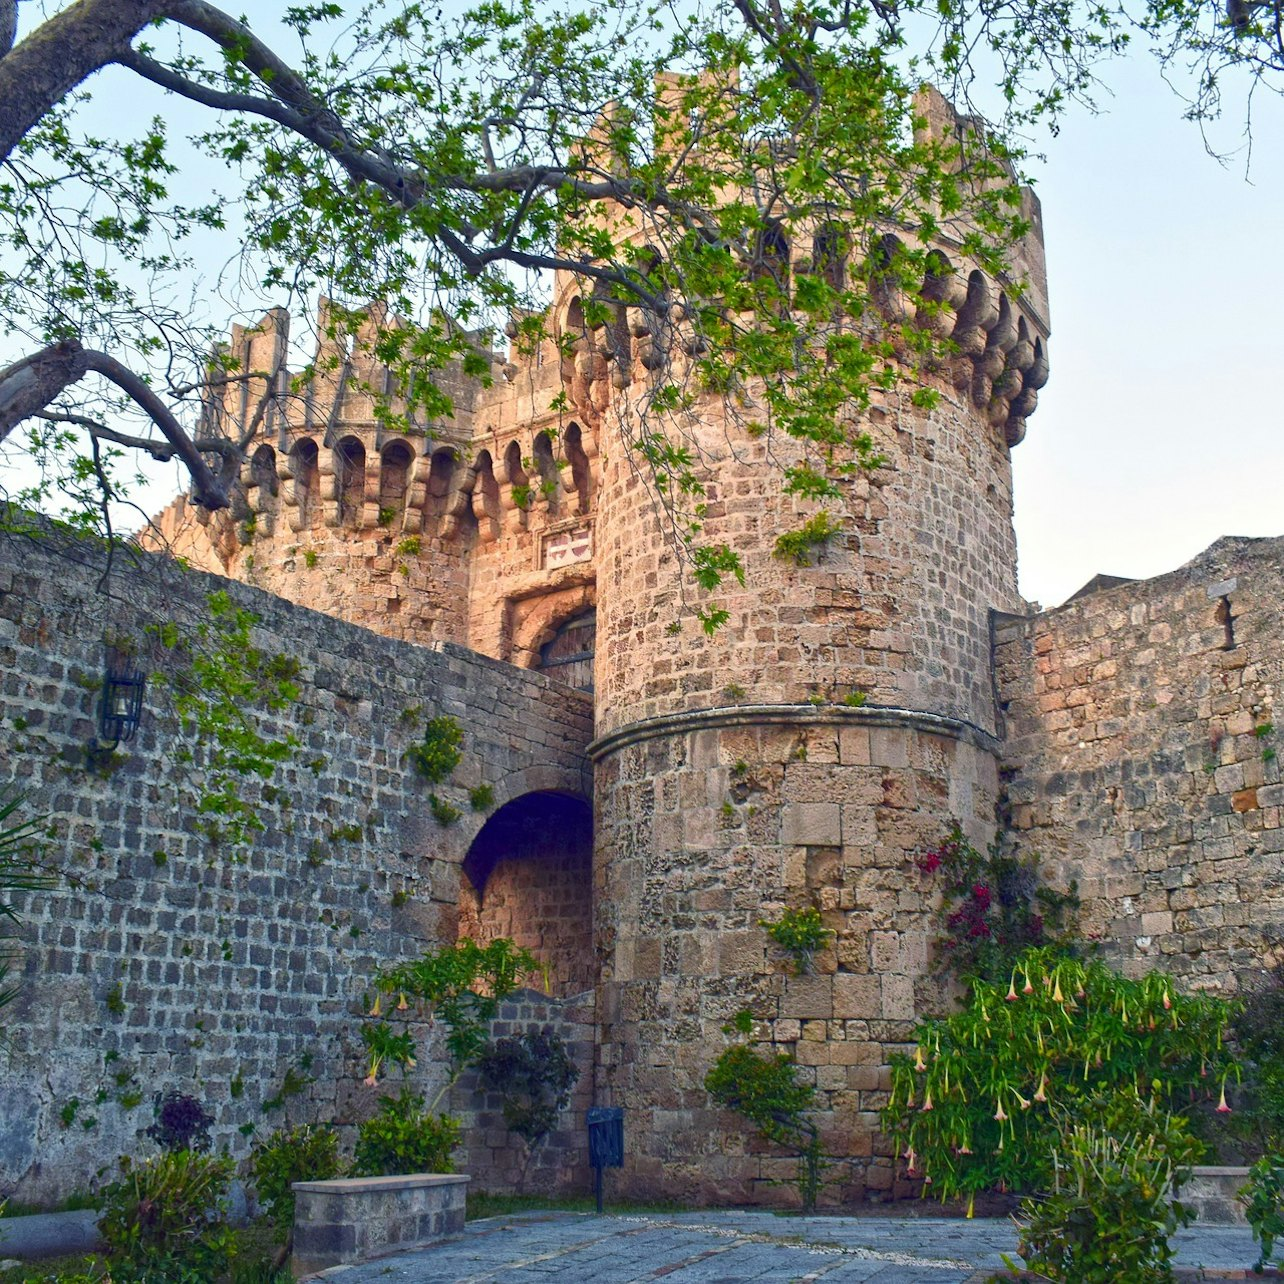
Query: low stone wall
{"points": [[355, 1218], [1212, 1194]]}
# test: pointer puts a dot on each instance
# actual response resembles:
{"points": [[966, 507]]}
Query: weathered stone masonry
{"points": [[170, 965], [1143, 757]]}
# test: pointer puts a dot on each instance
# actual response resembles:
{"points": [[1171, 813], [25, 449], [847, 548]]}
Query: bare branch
{"points": [[208, 489]]}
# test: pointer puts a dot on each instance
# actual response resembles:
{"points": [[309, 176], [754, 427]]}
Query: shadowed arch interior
{"points": [[529, 876]]}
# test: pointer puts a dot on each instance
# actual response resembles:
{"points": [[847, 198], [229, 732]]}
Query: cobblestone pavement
{"points": [[730, 1247]]}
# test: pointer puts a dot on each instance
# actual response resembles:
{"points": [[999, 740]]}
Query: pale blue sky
{"points": [[1159, 429]]}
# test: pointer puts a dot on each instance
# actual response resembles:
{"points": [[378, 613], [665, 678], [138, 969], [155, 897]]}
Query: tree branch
{"points": [[208, 489], [40, 70], [28, 386]]}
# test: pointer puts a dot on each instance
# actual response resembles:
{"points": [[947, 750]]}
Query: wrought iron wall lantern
{"points": [[121, 707]]}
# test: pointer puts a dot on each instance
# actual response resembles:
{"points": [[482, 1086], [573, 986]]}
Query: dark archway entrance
{"points": [[529, 876]]}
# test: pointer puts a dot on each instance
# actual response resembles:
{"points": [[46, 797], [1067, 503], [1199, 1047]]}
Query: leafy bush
{"points": [[289, 1155], [404, 1138], [164, 1221], [993, 908], [535, 1075], [800, 933], [1109, 1216], [1263, 1200], [803, 546], [973, 1109], [182, 1123], [1256, 1128], [438, 753], [764, 1088], [460, 985]]}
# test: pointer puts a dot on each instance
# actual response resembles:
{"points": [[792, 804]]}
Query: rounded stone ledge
{"points": [[357, 1185], [745, 715], [41, 1235]]}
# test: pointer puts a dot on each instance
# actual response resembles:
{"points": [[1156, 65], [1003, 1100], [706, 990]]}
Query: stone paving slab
{"points": [[730, 1247]]}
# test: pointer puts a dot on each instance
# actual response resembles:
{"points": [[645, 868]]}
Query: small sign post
{"points": [[606, 1142]]}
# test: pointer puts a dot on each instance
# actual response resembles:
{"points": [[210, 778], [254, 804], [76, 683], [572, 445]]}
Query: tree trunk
{"points": [[39, 71]]}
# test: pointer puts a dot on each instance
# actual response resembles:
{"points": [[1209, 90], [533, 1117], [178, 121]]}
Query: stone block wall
{"points": [[529, 877], [1143, 758], [709, 825], [163, 959], [895, 605]]}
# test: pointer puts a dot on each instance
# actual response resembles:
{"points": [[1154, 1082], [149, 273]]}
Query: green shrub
{"points": [[764, 1088], [993, 908], [438, 753], [164, 1221], [803, 546], [1109, 1216], [535, 1075], [1263, 1200], [800, 933], [460, 985], [974, 1108], [289, 1155], [1256, 1128], [404, 1138]]}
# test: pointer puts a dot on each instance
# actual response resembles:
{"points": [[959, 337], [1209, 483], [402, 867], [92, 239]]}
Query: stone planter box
{"points": [[1211, 1193], [352, 1218]]}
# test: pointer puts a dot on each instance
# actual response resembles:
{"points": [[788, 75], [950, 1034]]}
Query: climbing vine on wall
{"points": [[994, 906], [222, 683]]}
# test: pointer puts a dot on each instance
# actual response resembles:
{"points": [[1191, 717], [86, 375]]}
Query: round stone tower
{"points": [[840, 721]]}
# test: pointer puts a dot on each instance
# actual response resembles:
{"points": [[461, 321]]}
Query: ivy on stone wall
{"points": [[222, 684]]}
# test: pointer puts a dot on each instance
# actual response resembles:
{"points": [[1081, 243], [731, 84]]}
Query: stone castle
{"points": [[656, 794]]}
